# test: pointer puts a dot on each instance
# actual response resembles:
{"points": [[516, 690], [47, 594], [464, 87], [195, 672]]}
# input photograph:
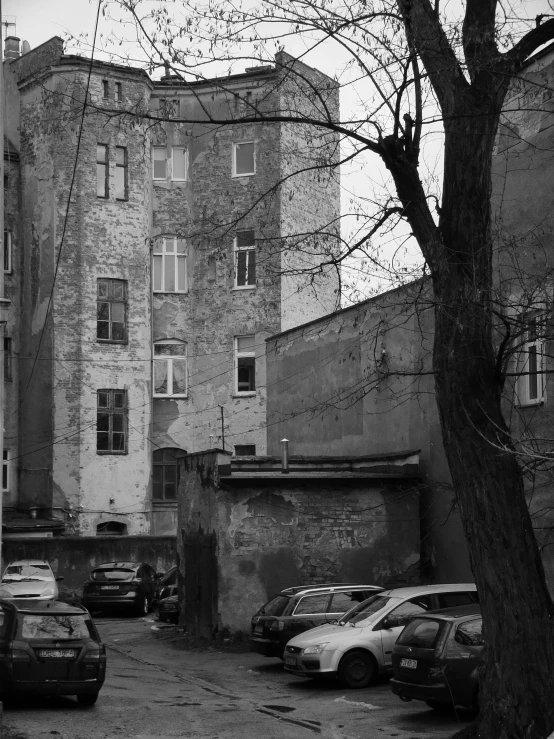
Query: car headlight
{"points": [[48, 591], [315, 648]]}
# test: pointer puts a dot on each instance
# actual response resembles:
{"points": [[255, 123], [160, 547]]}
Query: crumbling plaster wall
{"points": [[309, 193], [276, 534], [101, 238]]}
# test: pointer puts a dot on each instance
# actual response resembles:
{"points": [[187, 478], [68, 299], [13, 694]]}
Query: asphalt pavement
{"points": [[158, 686]]}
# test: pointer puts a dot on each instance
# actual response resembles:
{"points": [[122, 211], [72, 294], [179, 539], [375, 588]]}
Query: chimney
{"points": [[285, 456], [11, 49]]}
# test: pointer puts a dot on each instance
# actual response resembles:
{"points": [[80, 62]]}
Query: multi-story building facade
{"points": [[151, 251]]}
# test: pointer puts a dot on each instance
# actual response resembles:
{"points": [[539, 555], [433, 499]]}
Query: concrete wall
{"points": [[274, 534], [74, 557], [359, 382]]}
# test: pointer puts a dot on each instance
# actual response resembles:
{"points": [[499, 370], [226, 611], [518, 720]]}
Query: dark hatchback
{"points": [[437, 658], [300, 608], [50, 648], [167, 585], [168, 608], [114, 585]]}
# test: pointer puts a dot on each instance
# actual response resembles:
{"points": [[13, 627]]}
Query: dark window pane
{"points": [[251, 266], [102, 442], [241, 267], [246, 374], [245, 238], [312, 604], [118, 442], [103, 421], [118, 290], [118, 331], [119, 400], [102, 330], [103, 289], [102, 399], [103, 311], [117, 422]]}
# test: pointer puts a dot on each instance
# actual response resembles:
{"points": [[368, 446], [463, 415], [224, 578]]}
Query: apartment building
{"points": [[157, 234]]}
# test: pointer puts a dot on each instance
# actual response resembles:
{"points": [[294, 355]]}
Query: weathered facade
{"points": [[247, 530], [149, 265]]}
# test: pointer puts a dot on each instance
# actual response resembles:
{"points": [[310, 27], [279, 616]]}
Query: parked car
{"points": [[50, 648], [168, 608], [128, 585], [437, 658], [359, 645], [167, 585], [29, 578], [297, 609]]}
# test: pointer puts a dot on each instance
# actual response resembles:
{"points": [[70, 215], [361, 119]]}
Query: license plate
{"points": [[290, 661], [109, 587], [258, 629], [412, 663], [56, 653]]}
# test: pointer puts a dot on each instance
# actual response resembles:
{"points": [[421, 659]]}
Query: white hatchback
{"points": [[358, 645], [29, 579]]}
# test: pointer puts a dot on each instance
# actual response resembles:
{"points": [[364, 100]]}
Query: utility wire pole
{"points": [[222, 423]]}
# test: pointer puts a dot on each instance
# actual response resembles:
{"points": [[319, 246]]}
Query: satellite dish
{"points": [[25, 47]]}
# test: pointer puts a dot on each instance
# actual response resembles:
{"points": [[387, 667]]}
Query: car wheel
{"points": [[142, 606], [87, 699], [357, 669]]}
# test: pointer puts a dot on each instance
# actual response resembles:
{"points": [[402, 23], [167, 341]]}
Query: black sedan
{"points": [[120, 585], [50, 648]]}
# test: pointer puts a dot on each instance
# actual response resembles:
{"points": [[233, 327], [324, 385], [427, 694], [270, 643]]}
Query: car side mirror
{"points": [[159, 575], [60, 577]]}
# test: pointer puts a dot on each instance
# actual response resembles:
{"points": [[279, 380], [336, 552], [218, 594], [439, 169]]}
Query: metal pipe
{"points": [[285, 456]]}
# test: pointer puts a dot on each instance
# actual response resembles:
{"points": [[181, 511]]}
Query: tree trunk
{"points": [[518, 680]]}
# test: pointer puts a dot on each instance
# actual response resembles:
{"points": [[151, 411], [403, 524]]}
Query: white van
{"points": [[358, 645]]}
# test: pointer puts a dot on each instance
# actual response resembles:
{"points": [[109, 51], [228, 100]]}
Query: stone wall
{"points": [[273, 534], [74, 557]]}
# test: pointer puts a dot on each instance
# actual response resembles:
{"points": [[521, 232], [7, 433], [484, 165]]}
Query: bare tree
{"points": [[408, 65]]}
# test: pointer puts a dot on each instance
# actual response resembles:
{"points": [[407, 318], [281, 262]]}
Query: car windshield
{"points": [[38, 626], [422, 633], [367, 608], [117, 573], [276, 606], [15, 573]]}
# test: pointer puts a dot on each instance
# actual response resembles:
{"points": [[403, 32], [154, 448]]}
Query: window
{"points": [[7, 252], [169, 108], [312, 604], [245, 259], [159, 157], [7, 359], [343, 602], [453, 600], [170, 265], [245, 364], [245, 450], [470, 634], [111, 528], [244, 159], [179, 163], [165, 473], [532, 380], [6, 470], [111, 421], [111, 315], [121, 192], [102, 171], [105, 89], [170, 369], [118, 92]]}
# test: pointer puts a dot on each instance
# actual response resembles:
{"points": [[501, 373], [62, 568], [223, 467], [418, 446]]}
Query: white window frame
{"points": [[165, 241], [531, 384], [7, 252], [234, 163], [243, 354], [186, 177], [168, 359], [154, 150], [238, 249], [6, 465]]}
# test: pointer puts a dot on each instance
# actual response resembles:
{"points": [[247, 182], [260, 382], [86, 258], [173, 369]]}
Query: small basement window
{"points": [[245, 450], [111, 528]]}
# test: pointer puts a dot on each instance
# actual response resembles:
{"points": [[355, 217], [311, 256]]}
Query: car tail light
{"points": [[17, 655], [95, 655], [277, 626]]}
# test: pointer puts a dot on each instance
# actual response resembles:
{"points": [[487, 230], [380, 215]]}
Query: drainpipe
{"points": [[285, 456]]}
